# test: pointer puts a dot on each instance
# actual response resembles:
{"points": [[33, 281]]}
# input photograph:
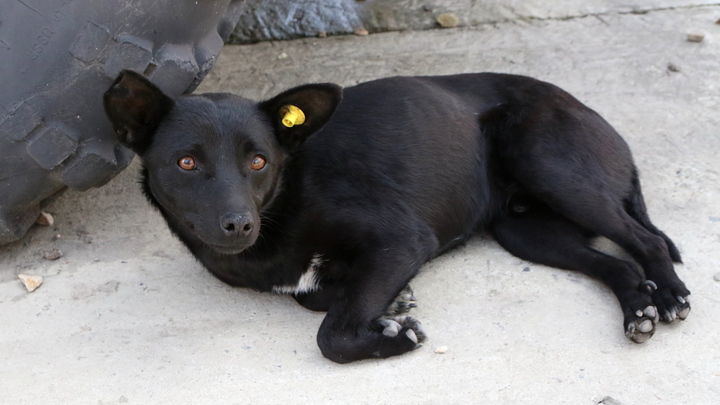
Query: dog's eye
{"points": [[258, 162], [187, 163]]}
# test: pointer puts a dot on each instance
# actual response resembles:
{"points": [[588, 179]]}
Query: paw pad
{"points": [[641, 329]]}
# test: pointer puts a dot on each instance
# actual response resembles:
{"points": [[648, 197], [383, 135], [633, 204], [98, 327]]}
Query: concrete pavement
{"points": [[128, 316]]}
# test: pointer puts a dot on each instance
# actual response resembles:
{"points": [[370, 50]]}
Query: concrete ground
{"points": [[128, 316]]}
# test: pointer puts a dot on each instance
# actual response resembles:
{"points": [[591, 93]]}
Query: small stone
{"points": [[56, 237], [717, 22], [361, 32], [53, 254], [673, 67], [695, 36], [609, 401], [441, 350], [322, 34], [282, 56], [427, 8], [448, 20], [716, 277], [526, 269], [31, 282], [45, 219]]}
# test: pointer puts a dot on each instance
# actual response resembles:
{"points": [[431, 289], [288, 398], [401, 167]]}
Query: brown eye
{"points": [[187, 163], [258, 163]]}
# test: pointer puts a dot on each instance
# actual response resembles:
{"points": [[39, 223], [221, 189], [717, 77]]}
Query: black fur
{"points": [[385, 176]]}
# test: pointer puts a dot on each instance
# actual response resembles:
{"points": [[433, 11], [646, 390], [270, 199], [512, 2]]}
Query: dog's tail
{"points": [[635, 207]]}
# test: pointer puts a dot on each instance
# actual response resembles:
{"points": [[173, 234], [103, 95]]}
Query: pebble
{"points": [[695, 36], [322, 34], [716, 277], [53, 254], [282, 56], [441, 350], [361, 32], [31, 282], [448, 20], [609, 401], [673, 67], [45, 219]]}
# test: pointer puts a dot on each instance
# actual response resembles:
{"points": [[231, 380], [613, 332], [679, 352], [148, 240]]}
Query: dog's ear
{"points": [[299, 112], [135, 107]]}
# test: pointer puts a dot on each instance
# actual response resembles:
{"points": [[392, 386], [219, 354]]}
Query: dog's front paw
{"points": [[401, 326], [381, 338]]}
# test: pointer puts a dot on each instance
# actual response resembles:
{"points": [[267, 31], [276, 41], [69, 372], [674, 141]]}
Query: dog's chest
{"points": [[309, 281]]}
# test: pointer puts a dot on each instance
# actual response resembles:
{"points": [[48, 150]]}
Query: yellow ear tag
{"points": [[292, 116]]}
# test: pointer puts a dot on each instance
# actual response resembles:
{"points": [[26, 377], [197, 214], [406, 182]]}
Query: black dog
{"points": [[339, 196]]}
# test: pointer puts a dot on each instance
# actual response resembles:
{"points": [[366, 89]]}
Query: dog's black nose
{"points": [[237, 224]]}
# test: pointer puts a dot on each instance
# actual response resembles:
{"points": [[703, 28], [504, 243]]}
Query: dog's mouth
{"points": [[191, 230], [226, 249], [235, 246]]}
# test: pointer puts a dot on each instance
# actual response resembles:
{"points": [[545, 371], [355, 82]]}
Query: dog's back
{"points": [[392, 154]]}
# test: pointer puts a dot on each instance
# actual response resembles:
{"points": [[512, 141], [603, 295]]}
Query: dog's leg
{"points": [[583, 170], [587, 206], [542, 236], [321, 299], [647, 248], [354, 327]]}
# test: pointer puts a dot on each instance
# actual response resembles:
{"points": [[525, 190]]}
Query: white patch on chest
{"points": [[308, 282]]}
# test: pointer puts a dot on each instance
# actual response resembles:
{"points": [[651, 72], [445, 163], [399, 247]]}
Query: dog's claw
{"points": [[683, 313], [391, 327], [647, 286], [651, 312]]}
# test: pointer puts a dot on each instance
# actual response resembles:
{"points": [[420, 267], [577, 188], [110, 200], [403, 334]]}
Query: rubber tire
{"points": [[59, 56]]}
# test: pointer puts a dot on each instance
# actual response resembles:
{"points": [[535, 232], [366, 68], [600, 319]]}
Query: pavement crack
{"points": [[638, 11]]}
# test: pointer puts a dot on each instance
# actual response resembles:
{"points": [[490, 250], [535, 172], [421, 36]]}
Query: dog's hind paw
{"points": [[672, 304], [403, 303], [642, 327]]}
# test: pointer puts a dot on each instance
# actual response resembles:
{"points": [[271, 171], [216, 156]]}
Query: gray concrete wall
{"points": [[265, 20]]}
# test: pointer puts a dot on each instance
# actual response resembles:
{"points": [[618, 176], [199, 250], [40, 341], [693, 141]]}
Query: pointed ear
{"points": [[299, 112], [135, 107]]}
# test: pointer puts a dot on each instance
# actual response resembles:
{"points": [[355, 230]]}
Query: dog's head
{"points": [[213, 162]]}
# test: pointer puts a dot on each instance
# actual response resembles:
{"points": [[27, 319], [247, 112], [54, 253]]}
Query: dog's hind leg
{"points": [[635, 207], [568, 157], [605, 215], [540, 235]]}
